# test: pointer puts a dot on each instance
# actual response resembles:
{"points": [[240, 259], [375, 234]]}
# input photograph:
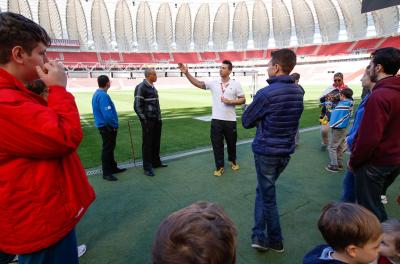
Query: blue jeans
{"points": [[266, 215], [349, 189], [62, 252]]}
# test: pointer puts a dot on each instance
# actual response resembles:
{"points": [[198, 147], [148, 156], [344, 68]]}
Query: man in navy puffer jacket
{"points": [[275, 111]]}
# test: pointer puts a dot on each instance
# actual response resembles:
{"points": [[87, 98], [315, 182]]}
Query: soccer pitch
{"points": [[180, 130]]}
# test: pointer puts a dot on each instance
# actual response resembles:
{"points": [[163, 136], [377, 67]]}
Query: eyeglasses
{"points": [[337, 80]]}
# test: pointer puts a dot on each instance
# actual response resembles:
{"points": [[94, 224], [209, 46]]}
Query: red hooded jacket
{"points": [[44, 190], [378, 138]]}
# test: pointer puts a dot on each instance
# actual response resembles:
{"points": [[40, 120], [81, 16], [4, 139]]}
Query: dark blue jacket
{"points": [[320, 255], [357, 120], [275, 110]]}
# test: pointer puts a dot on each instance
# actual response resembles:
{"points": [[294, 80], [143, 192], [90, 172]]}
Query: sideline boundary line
{"points": [[129, 164]]}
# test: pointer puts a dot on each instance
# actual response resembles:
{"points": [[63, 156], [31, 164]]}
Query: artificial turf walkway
{"points": [[120, 225]]}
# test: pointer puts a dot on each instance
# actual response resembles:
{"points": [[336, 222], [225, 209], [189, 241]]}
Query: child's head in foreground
{"points": [[390, 246], [201, 233], [352, 231]]}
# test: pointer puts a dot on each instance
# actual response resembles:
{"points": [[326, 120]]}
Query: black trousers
{"points": [[151, 140], [221, 129], [109, 137], [371, 182]]}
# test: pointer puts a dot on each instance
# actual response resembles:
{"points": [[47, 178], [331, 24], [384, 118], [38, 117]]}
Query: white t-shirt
{"points": [[232, 90]]}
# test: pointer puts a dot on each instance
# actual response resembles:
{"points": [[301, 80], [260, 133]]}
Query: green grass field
{"points": [[180, 130]]}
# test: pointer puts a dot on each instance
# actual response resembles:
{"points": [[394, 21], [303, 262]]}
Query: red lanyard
{"points": [[224, 88]]}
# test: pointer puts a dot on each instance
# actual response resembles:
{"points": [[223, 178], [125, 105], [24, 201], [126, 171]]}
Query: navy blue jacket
{"points": [[319, 255], [275, 110]]}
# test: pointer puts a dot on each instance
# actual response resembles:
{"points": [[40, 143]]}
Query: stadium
{"points": [[121, 39]]}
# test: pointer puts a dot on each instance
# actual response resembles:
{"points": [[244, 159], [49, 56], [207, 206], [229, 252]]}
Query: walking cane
{"points": [[132, 149]]}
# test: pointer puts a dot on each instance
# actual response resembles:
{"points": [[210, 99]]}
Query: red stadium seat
{"points": [[306, 50], [110, 57], [334, 49], [209, 56], [137, 58], [51, 55], [232, 55], [80, 57], [162, 57], [255, 55], [186, 57], [391, 42], [366, 44]]}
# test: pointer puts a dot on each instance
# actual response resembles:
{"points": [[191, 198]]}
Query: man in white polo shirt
{"points": [[226, 94]]}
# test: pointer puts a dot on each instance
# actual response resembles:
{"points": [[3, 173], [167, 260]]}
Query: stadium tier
{"points": [[232, 55], [209, 56], [110, 57], [137, 57], [307, 50], [333, 49], [367, 44], [162, 57], [255, 55], [187, 57], [390, 42]]}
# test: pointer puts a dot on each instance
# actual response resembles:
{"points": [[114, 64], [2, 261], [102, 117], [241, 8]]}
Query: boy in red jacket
{"points": [[43, 186]]}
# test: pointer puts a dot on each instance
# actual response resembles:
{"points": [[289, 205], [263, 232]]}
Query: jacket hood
{"points": [[392, 82], [320, 255]]}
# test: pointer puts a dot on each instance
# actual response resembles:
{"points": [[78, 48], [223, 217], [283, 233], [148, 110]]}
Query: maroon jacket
{"points": [[378, 139]]}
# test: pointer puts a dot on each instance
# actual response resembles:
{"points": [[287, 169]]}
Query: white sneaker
{"points": [[15, 259], [81, 250], [384, 199]]}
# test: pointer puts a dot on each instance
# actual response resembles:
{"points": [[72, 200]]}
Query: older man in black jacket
{"points": [[147, 107]]}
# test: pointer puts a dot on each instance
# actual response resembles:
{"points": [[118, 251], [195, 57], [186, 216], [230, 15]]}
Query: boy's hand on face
{"points": [[53, 73]]}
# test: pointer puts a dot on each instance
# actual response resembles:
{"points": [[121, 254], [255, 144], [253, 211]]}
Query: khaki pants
{"points": [[337, 146], [325, 134]]}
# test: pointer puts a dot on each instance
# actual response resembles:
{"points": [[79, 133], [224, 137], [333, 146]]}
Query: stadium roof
{"points": [[205, 25]]}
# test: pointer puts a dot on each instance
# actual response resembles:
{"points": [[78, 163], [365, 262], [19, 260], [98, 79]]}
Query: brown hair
{"points": [[17, 30], [295, 76], [347, 92], [389, 58], [286, 58], [392, 227], [344, 224], [229, 63], [338, 74], [201, 233]]}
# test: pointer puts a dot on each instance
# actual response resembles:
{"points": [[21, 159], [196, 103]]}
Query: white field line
{"points": [[131, 164], [85, 122]]}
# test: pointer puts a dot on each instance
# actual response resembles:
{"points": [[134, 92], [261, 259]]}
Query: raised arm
{"points": [[184, 69]]}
